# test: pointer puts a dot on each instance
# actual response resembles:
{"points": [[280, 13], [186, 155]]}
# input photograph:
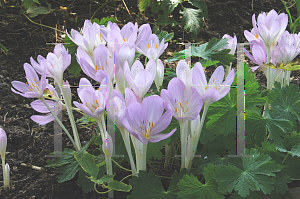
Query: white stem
{"points": [[109, 171], [3, 170], [71, 117], [125, 135], [60, 124], [195, 145], [183, 125]]}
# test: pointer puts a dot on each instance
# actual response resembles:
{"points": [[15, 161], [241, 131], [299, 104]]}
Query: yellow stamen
{"points": [[256, 36], [175, 100], [96, 67], [175, 109], [214, 80], [156, 46], [206, 88], [97, 102], [148, 46], [35, 81], [124, 38]]}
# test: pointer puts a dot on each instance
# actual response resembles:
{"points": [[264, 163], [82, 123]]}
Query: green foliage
{"points": [[285, 102], [86, 184], [191, 188], [3, 47], [148, 185], [143, 4], [104, 20], [221, 114], [34, 10], [28, 3], [192, 20], [293, 26], [119, 186], [208, 51], [257, 174]]}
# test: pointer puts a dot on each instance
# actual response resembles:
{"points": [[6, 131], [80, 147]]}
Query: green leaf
{"points": [[103, 179], [201, 5], [206, 63], [28, 3], [148, 185], [222, 114], [257, 174], [119, 186], [144, 4], [88, 162], [257, 124], [67, 171], [191, 188], [176, 56], [34, 10], [3, 47], [285, 102], [86, 184], [154, 149], [253, 97], [253, 194], [104, 20], [57, 162], [165, 35], [213, 158], [192, 21]]}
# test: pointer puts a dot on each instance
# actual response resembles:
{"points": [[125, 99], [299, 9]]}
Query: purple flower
{"points": [[145, 120], [35, 87], [107, 145], [215, 89], [90, 36], [270, 27], [185, 103], [93, 101], [55, 63], [151, 48], [3, 143], [232, 43], [138, 78], [259, 54]]}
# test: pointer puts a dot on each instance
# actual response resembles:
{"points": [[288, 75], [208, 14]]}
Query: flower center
{"points": [[147, 129], [181, 111]]}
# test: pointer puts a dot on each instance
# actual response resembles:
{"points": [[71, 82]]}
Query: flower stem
{"points": [[285, 158], [59, 122], [195, 145], [120, 166], [3, 170], [125, 135], [183, 125], [71, 117]]}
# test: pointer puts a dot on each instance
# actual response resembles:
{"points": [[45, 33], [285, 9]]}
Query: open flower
{"points": [[93, 101], [215, 89], [34, 87], [138, 78], [145, 120], [151, 48], [185, 103], [55, 63], [259, 54]]}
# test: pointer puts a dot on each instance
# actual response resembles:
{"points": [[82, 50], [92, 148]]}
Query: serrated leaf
{"points": [[192, 20], [253, 194], [206, 63], [191, 188], [285, 102], [28, 3], [59, 161], [67, 171], [86, 184], [88, 162], [148, 185], [104, 20], [154, 149], [176, 56], [213, 158], [257, 124], [257, 174], [201, 5], [119, 186], [165, 35], [143, 4], [252, 96], [222, 114]]}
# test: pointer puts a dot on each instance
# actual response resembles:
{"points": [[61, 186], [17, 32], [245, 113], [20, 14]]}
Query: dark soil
{"points": [[28, 143]]}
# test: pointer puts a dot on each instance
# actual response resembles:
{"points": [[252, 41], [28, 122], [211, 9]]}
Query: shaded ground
{"points": [[28, 143]]}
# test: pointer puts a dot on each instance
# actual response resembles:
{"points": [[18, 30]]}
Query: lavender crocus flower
{"points": [[270, 26], [259, 54], [215, 89], [145, 120], [34, 87], [3, 143], [232, 43]]}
